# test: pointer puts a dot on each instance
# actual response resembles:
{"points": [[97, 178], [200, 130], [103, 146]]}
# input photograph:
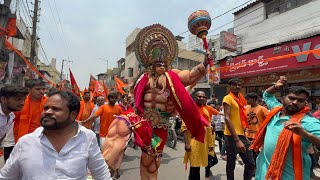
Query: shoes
{"points": [[239, 160], [223, 157], [313, 176], [116, 175]]}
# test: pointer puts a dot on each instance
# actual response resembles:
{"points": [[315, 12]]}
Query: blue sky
{"points": [[91, 29]]}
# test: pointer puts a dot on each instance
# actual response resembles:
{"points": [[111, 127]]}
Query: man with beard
{"points": [[107, 114], [286, 134], [86, 107], [235, 139], [60, 149], [12, 99], [28, 119], [199, 153]]}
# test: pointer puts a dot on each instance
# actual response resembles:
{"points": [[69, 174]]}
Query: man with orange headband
{"points": [[286, 134], [235, 139]]}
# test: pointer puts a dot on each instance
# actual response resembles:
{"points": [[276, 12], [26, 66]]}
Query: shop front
{"points": [[257, 73]]}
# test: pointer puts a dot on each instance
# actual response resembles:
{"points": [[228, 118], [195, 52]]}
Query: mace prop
{"points": [[199, 22]]}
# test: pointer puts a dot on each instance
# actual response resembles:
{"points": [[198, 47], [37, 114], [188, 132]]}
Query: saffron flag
{"points": [[98, 90], [92, 83], [11, 27], [119, 85], [105, 89], [74, 85]]}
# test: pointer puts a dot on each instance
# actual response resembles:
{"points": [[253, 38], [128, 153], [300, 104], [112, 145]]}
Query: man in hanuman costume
{"points": [[160, 93]]}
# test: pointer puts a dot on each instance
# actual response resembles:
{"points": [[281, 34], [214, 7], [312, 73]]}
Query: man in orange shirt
{"points": [[28, 119], [106, 113], [86, 107], [256, 115]]}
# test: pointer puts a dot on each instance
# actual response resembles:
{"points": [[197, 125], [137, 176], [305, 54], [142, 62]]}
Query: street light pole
{"points": [[64, 60], [107, 62]]}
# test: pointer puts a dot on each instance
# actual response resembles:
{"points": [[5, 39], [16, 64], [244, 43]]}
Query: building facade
{"points": [[271, 33]]}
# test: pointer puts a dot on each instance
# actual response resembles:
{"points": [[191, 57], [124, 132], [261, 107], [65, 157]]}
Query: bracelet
{"points": [[274, 86]]}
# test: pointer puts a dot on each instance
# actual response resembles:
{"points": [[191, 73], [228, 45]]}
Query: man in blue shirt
{"points": [[308, 129]]}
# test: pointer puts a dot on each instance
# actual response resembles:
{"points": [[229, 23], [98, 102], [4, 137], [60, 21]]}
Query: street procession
{"points": [[168, 90]]}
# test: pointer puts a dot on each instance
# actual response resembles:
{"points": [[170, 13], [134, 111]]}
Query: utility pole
{"points": [[64, 60], [5, 13], [34, 34]]}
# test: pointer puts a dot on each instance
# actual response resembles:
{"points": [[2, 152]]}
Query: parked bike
{"points": [[172, 136]]}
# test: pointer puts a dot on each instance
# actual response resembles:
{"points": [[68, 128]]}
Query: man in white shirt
{"points": [[11, 99], [96, 127], [60, 149]]}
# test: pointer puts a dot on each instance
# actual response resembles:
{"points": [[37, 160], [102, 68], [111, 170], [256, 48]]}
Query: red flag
{"points": [[92, 83], [11, 27], [119, 85], [74, 85], [98, 89], [105, 89]]}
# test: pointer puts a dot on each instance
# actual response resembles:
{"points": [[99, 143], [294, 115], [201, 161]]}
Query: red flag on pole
{"points": [[74, 85], [105, 89], [98, 90], [119, 85], [92, 83]]}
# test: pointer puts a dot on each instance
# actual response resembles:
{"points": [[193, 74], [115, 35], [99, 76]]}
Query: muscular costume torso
{"points": [[157, 96]]}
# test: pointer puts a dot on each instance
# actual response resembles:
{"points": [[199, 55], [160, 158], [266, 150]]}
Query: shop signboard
{"points": [[252, 64], [228, 41]]}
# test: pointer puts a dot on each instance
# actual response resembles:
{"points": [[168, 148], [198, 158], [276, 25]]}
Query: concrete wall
{"points": [[256, 31]]}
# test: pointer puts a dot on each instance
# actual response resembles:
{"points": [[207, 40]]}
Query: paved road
{"points": [[171, 166]]}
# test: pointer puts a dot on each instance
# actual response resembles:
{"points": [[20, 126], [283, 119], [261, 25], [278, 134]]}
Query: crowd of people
{"points": [[54, 135]]}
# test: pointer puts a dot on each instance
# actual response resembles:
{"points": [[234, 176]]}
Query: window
{"points": [[130, 72], [276, 7]]}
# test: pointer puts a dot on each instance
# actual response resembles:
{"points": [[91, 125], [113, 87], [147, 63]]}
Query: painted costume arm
{"points": [[191, 77], [96, 162]]}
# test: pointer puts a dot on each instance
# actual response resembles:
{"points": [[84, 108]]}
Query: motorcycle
{"points": [[172, 136]]}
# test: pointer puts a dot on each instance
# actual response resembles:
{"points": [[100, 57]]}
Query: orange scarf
{"points": [[285, 138], [22, 122], [243, 114]]}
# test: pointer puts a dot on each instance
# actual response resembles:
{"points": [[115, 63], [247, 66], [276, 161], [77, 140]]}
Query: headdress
{"points": [[155, 44]]}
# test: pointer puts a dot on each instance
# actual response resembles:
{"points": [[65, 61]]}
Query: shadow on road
{"points": [[128, 158]]}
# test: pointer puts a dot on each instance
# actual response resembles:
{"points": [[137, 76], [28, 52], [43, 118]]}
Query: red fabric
{"points": [[285, 138], [316, 114], [74, 85], [189, 112], [11, 27], [142, 131], [119, 85], [243, 113], [92, 83]]}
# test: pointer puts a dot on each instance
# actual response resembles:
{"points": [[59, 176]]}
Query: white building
{"points": [[195, 43], [267, 22], [270, 34]]}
